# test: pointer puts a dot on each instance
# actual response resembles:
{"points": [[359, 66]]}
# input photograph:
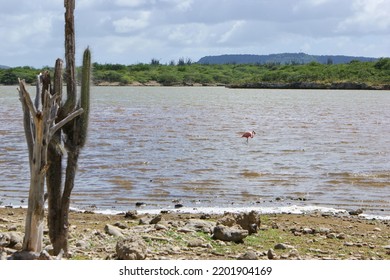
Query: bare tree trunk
{"points": [[39, 129]]}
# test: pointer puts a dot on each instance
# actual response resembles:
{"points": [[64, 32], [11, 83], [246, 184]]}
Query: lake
{"points": [[164, 146]]}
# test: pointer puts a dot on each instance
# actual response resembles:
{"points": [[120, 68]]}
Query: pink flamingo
{"points": [[248, 134]]}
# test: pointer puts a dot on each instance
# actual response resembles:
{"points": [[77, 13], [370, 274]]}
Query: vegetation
{"points": [[187, 73]]}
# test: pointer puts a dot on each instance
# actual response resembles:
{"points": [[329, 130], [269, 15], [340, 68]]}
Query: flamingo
{"points": [[248, 134]]}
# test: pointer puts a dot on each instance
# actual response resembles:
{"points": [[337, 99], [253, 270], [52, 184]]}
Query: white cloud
{"points": [[128, 31], [127, 24], [236, 26], [184, 5], [369, 16]]}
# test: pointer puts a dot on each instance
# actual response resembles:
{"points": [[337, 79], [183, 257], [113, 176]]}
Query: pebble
{"points": [[341, 236], [160, 227], [324, 230], [318, 251], [133, 215], [355, 212], [377, 229], [120, 225], [293, 253], [271, 254], [112, 230], [12, 228], [81, 244], [193, 243], [331, 235], [248, 256], [308, 231], [281, 246]]}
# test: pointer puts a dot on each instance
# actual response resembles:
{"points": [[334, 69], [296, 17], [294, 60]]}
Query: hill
{"points": [[4, 67], [282, 58]]}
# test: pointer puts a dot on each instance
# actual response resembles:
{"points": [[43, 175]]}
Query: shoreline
{"points": [[264, 85], [186, 236], [266, 210], [256, 85]]}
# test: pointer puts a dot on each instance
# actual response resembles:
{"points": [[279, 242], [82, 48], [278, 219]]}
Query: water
{"points": [[164, 146]]}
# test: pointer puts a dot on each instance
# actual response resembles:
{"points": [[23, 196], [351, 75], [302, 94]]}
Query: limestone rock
{"points": [[112, 230], [248, 256], [200, 225], [156, 220], [293, 254], [193, 243], [271, 254], [233, 234], [227, 220], [15, 238], [281, 246], [133, 248], [248, 221], [4, 239], [132, 214], [120, 225]]}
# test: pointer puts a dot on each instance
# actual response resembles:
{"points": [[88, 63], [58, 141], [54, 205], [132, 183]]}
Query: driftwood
{"points": [[39, 126]]}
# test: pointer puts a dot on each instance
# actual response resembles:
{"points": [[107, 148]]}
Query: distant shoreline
{"points": [[297, 85], [310, 85], [260, 85]]}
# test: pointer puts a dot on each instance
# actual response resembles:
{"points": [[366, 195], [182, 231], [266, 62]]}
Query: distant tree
{"points": [[155, 62], [181, 62], [383, 64], [329, 61], [188, 61], [8, 77]]}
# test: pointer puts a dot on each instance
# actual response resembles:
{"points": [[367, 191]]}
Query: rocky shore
{"points": [[230, 236]]}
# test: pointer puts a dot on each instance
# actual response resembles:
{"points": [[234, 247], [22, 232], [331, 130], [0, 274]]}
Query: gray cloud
{"points": [[131, 31]]}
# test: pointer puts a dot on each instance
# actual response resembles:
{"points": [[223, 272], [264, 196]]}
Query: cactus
{"points": [[84, 98], [75, 133]]}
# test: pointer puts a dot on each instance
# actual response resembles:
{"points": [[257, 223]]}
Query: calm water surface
{"points": [[164, 146]]}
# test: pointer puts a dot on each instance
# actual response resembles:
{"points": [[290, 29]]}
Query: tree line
{"points": [[185, 72]]}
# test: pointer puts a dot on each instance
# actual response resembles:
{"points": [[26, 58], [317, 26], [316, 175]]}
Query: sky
{"points": [[137, 31]]}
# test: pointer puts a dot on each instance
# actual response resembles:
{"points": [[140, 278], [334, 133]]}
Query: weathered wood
{"points": [[38, 165], [39, 130]]}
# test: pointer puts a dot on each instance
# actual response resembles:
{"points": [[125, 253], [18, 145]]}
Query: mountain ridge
{"points": [[281, 58]]}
